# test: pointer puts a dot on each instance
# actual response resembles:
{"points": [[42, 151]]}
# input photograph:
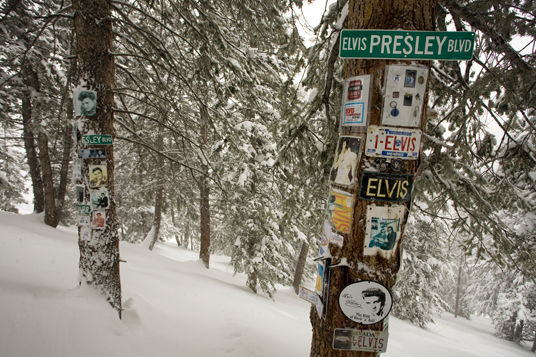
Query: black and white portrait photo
{"points": [[85, 102]]}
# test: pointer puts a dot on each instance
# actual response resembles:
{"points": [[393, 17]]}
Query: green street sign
{"points": [[83, 210], [97, 139], [401, 44]]}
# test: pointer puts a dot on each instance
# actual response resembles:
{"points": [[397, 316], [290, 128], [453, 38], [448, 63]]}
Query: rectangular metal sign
{"points": [[355, 101], [393, 142], [83, 210], [360, 340], [385, 187], [404, 95], [97, 140], [402, 44]]}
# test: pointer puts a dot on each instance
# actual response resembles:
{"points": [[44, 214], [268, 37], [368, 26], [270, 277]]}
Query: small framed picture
{"points": [[98, 219], [99, 198], [92, 153], [344, 169], [85, 102], [84, 221], [98, 175]]}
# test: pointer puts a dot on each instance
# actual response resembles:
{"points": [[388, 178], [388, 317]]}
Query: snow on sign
{"points": [[393, 142], [366, 302], [360, 340], [355, 101]]}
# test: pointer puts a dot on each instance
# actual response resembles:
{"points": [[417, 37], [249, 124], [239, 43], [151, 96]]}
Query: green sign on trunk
{"points": [[97, 140], [401, 44]]}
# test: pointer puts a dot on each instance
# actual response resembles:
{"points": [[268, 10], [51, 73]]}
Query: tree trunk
{"points": [[99, 251], [157, 215], [159, 190], [518, 335], [300, 266], [64, 171], [204, 192], [458, 289], [512, 327], [187, 236], [51, 216], [67, 146], [204, 253], [533, 349], [31, 81], [366, 14]]}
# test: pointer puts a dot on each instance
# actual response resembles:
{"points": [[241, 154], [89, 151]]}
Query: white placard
{"points": [[85, 234], [366, 302], [383, 231], [355, 101], [393, 142], [84, 221], [308, 295], [329, 236], [313, 298], [405, 88]]}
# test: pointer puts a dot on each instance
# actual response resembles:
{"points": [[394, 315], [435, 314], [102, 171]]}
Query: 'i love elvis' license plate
{"points": [[393, 142]]}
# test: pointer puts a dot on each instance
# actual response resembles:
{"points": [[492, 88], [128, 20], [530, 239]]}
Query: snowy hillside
{"points": [[173, 307]]}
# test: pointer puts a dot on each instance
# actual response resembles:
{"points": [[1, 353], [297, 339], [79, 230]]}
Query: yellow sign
{"points": [[341, 208]]}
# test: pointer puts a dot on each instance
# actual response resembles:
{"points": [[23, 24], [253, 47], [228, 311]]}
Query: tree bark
{"points": [[159, 190], [51, 216], [300, 266], [99, 255], [64, 171], [31, 82], [204, 192], [67, 146], [204, 250], [366, 14], [458, 289]]}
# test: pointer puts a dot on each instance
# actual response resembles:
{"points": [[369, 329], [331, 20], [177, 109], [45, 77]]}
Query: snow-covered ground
{"points": [[174, 307]]}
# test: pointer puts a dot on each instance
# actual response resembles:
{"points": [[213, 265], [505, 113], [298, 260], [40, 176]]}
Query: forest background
{"points": [[221, 106]]}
